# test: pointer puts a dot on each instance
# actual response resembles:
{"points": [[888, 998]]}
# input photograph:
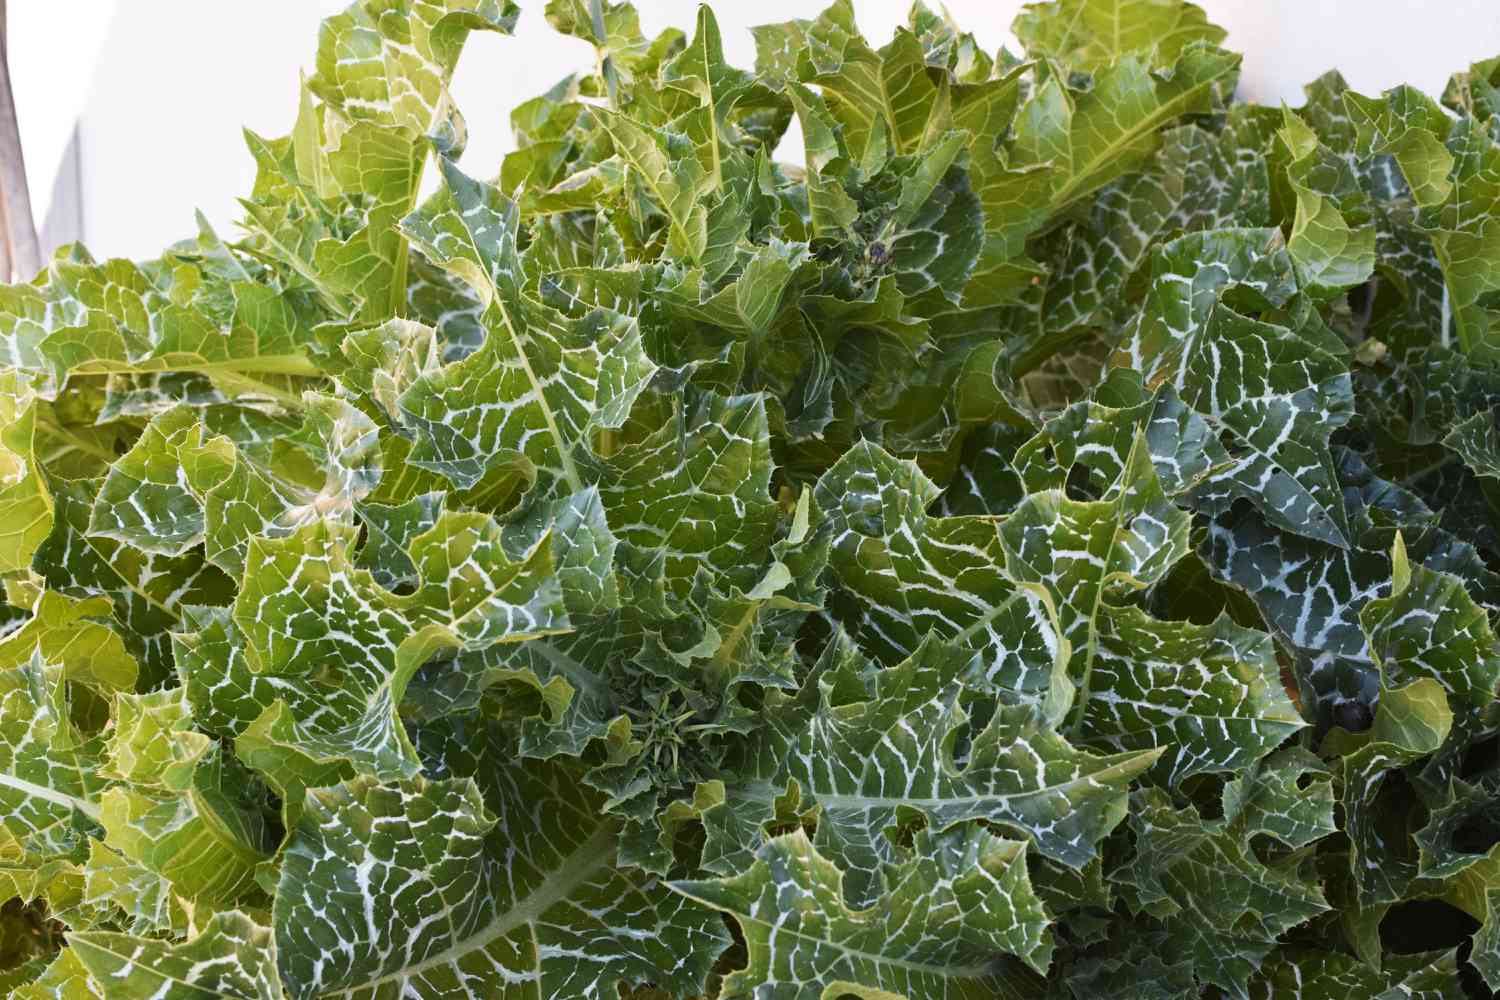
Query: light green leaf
{"points": [[1208, 695], [49, 780], [1272, 393], [68, 633], [701, 69], [880, 750], [698, 490], [232, 957], [1195, 181], [1332, 242], [1410, 127], [239, 497], [1088, 34], [879, 98], [437, 888], [1410, 722], [25, 504], [389, 531], [1477, 442], [306, 611], [145, 501], [382, 76], [182, 810], [1205, 882], [614, 29], [558, 378], [1093, 137], [1097, 437], [669, 164], [385, 360], [113, 320], [127, 887], [903, 575], [1451, 168], [944, 917], [146, 592], [196, 478], [1430, 627], [65, 979]]}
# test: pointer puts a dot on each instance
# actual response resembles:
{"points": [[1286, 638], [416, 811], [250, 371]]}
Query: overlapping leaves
{"points": [[1042, 544]]}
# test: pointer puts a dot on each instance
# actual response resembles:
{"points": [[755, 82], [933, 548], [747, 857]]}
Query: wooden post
{"points": [[25, 249], [7, 273]]}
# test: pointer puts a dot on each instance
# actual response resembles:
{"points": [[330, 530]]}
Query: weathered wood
{"points": [[6, 272], [25, 248]]}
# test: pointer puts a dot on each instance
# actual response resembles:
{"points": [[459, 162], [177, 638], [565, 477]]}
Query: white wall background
{"points": [[160, 88]]}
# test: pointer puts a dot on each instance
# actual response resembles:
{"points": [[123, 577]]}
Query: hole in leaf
{"points": [[1477, 834], [1077, 484], [30, 932], [1425, 925], [904, 833], [687, 845], [1232, 444], [1481, 757], [751, 696], [962, 742], [1207, 795], [1353, 715], [1361, 298], [783, 827]]}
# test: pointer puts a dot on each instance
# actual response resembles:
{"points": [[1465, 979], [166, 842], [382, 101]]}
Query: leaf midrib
{"points": [[873, 801], [264, 364], [1076, 186], [781, 930], [101, 942], [572, 871], [885, 112], [1215, 417], [32, 789], [564, 452], [574, 671]]}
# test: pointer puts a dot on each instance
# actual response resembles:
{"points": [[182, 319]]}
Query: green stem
{"points": [[1082, 707], [403, 245], [254, 386], [307, 274], [724, 655], [1411, 479], [46, 794], [606, 64], [46, 425]]}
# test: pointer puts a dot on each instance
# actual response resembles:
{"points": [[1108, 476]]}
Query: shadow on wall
{"points": [[64, 220], [130, 176]]}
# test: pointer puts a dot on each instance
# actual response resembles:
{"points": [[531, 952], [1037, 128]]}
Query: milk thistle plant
{"points": [[1034, 536]]}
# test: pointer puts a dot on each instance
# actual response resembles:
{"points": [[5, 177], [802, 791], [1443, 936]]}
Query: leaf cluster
{"points": [[1044, 543]]}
